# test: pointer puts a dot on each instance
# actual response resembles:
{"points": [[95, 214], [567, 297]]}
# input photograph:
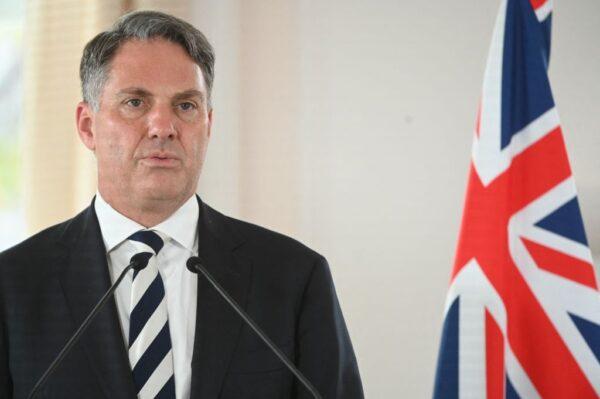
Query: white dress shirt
{"points": [[180, 284]]}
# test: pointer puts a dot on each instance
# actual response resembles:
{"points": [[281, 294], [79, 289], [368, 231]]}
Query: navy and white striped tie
{"points": [[150, 352]]}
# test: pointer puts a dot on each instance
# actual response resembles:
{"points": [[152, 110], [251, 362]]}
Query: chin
{"points": [[161, 192], [163, 187]]}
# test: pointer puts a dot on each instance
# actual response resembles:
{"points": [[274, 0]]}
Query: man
{"points": [[146, 115]]}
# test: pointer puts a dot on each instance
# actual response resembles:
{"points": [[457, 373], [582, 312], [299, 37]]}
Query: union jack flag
{"points": [[522, 316]]}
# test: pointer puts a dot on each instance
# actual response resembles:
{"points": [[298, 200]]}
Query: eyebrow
{"points": [[189, 94], [138, 91]]}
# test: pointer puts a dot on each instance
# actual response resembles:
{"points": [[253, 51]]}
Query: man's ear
{"points": [[84, 116], [210, 121]]}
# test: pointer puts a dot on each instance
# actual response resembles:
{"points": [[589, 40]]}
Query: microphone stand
{"points": [[195, 266], [137, 262]]}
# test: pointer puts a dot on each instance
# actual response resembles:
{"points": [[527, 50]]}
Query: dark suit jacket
{"points": [[50, 282]]}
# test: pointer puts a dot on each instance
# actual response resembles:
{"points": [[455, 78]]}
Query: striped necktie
{"points": [[150, 352]]}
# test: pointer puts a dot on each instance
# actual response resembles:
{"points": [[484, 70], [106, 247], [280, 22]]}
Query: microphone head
{"points": [[193, 263], [140, 260]]}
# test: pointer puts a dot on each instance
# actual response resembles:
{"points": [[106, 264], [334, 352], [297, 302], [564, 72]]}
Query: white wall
{"points": [[348, 125]]}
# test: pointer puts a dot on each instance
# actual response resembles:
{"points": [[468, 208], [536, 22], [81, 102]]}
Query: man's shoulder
{"points": [[40, 245], [263, 240]]}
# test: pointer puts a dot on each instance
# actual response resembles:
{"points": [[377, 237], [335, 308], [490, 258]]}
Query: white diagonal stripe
{"points": [[518, 377], [146, 336], [159, 378], [142, 246], [544, 10], [142, 281]]}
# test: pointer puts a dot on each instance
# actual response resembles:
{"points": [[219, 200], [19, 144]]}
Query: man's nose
{"points": [[162, 122]]}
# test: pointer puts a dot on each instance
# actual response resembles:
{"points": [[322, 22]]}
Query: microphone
{"points": [[194, 264], [137, 263]]}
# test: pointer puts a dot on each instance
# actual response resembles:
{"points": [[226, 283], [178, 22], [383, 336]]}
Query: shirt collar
{"points": [[181, 226]]}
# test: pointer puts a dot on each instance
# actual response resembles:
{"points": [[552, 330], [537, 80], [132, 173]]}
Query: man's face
{"points": [[152, 127]]}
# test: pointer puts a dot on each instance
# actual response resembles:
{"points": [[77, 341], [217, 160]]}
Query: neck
{"points": [[148, 212]]}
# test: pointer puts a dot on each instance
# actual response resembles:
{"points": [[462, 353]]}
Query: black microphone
{"points": [[194, 264], [137, 263]]}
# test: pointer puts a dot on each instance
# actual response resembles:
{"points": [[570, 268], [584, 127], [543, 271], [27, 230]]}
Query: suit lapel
{"points": [[217, 325], [84, 279]]}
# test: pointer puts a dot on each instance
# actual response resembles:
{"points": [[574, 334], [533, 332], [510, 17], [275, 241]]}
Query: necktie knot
{"points": [[150, 238]]}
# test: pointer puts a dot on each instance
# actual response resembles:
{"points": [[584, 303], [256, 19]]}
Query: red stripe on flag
{"points": [[561, 264], [537, 3], [487, 210], [494, 358]]}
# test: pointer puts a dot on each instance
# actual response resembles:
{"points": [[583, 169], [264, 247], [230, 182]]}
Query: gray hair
{"points": [[141, 25]]}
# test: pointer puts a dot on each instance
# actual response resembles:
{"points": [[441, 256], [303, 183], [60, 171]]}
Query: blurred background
{"points": [[345, 124]]}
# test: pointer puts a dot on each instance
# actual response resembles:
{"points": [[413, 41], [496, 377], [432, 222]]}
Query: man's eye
{"points": [[134, 102], [187, 106]]}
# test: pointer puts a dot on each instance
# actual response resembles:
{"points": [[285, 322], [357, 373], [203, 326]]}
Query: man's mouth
{"points": [[160, 160]]}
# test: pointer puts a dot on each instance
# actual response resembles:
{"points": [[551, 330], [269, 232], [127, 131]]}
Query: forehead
{"points": [[157, 65]]}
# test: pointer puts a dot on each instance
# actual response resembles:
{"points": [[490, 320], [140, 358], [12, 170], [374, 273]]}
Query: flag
{"points": [[522, 315]]}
